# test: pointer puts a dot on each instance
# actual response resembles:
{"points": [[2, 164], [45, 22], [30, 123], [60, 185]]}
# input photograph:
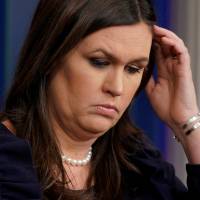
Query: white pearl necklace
{"points": [[75, 162]]}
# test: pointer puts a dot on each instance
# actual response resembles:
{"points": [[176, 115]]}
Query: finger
{"points": [[162, 32], [160, 60], [159, 56], [150, 86], [164, 50], [176, 50]]}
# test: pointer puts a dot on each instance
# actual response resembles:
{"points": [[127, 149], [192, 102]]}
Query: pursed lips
{"points": [[109, 106], [107, 110]]}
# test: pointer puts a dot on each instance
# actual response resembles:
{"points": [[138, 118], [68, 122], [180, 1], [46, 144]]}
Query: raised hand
{"points": [[172, 95]]}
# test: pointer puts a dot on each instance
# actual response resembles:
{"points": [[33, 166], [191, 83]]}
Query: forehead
{"points": [[123, 41]]}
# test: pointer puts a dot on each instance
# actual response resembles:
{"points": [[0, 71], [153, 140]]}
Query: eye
{"points": [[99, 62], [131, 69]]}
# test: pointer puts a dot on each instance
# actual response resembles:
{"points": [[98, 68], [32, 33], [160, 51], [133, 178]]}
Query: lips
{"points": [[107, 110], [109, 106]]}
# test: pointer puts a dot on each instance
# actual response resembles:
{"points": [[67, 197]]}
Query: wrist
{"points": [[185, 123], [188, 134], [191, 147]]}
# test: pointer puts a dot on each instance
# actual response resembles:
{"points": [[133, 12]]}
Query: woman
{"points": [[66, 114]]}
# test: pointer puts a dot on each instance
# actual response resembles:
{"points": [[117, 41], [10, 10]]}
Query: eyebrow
{"points": [[111, 56]]}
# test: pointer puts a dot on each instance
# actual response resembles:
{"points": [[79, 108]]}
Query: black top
{"points": [[18, 179]]}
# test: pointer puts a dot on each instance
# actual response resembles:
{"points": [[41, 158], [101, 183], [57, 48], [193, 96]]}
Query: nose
{"points": [[113, 83]]}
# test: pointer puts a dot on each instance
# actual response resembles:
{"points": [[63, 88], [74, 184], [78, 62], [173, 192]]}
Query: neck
{"points": [[71, 145]]}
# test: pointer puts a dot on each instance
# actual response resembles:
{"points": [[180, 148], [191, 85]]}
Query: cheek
{"points": [[128, 96], [83, 90], [130, 89]]}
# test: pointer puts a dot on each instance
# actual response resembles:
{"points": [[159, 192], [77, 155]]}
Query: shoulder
{"points": [[13, 149], [151, 163], [17, 174], [156, 178]]}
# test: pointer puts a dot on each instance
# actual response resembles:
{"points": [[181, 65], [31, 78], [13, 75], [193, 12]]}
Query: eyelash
{"points": [[100, 63]]}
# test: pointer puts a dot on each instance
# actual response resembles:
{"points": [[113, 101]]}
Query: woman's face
{"points": [[98, 79]]}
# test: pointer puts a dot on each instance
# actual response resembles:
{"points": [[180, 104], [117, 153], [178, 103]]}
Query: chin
{"points": [[99, 126]]}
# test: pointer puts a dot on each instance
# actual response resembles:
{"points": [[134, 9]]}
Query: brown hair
{"points": [[57, 27]]}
